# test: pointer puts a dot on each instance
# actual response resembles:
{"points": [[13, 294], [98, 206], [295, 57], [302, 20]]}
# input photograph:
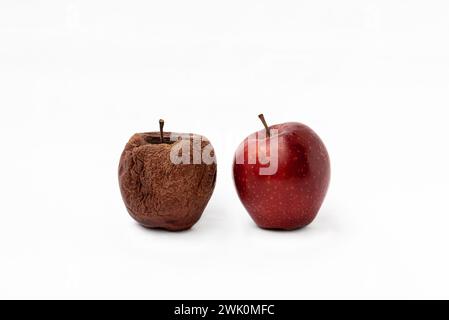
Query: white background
{"points": [[78, 78]]}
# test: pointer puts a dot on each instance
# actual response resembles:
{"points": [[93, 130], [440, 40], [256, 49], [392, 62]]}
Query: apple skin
{"points": [[291, 198], [158, 193]]}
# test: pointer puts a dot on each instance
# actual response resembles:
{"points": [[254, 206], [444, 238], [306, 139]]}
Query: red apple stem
{"points": [[262, 118], [161, 128]]}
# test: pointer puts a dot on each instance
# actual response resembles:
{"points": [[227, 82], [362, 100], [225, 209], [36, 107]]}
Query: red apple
{"points": [[282, 175]]}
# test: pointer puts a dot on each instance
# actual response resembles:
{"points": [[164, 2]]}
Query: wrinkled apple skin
{"points": [[158, 193], [291, 198]]}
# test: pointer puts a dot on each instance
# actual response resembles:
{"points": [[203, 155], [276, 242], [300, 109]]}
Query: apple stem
{"points": [[161, 128], [262, 118]]}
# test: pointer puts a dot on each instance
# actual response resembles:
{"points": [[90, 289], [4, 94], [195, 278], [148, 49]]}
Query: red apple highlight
{"points": [[282, 175]]}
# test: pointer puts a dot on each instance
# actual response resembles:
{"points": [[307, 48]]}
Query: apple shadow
{"points": [[280, 231], [324, 222], [213, 222], [163, 231]]}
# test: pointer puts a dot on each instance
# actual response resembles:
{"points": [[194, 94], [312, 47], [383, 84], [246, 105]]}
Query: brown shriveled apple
{"points": [[158, 190]]}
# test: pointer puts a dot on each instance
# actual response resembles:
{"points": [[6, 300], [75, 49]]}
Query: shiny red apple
{"points": [[282, 175]]}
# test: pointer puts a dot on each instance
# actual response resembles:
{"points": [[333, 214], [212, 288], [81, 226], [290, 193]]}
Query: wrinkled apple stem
{"points": [[161, 128], [262, 118]]}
